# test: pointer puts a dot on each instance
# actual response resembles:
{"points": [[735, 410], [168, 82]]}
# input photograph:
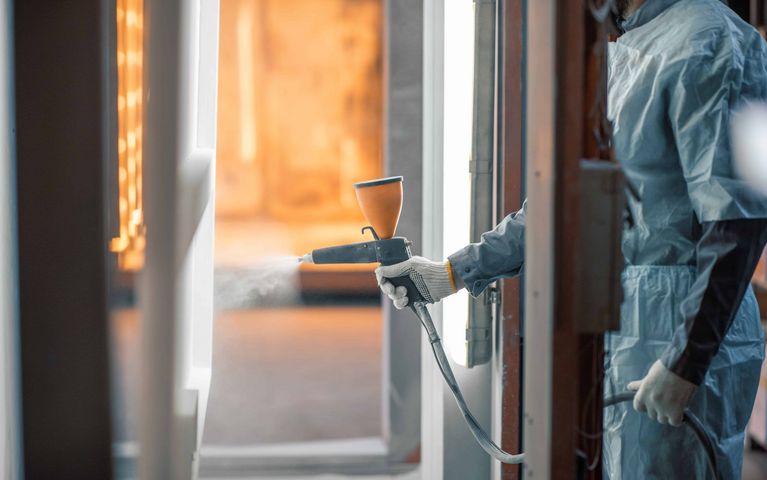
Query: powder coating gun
{"points": [[381, 202]]}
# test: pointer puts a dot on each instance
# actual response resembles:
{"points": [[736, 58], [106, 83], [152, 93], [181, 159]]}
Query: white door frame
{"points": [[176, 285]]}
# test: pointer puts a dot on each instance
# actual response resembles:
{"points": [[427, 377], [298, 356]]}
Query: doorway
{"points": [[297, 350]]}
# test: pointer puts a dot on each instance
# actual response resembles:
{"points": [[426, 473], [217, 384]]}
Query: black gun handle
{"points": [[413, 294]]}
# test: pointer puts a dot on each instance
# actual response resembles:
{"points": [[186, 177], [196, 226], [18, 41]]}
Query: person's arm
{"points": [[500, 253], [711, 84], [727, 254]]}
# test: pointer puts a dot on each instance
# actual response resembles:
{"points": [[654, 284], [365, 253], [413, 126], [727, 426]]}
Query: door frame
{"points": [[511, 194], [176, 284]]}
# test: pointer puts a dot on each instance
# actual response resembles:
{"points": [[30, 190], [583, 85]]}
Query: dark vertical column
{"points": [[403, 151], [60, 138], [590, 347], [568, 152], [511, 112], [578, 357]]}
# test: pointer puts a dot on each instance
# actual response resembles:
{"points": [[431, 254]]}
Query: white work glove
{"points": [[662, 394], [433, 280]]}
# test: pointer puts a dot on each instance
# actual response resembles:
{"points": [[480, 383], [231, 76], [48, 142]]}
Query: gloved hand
{"points": [[434, 280], [662, 394]]}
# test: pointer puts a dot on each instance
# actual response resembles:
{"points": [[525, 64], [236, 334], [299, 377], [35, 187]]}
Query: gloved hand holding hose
{"points": [[434, 280], [662, 394]]}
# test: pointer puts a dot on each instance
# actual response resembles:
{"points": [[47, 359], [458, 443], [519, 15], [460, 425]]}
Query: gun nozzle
{"points": [[306, 258]]}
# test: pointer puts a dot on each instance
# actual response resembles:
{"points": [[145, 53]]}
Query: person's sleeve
{"points": [[715, 80], [499, 254], [701, 97], [727, 254]]}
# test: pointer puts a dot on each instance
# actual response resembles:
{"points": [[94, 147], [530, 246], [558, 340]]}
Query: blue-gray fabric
{"points": [[636, 447], [675, 76], [499, 254]]}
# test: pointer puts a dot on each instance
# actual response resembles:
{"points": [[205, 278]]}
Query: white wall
{"points": [[9, 446]]}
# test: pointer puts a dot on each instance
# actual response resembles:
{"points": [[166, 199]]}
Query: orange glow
{"points": [[300, 109], [130, 49]]}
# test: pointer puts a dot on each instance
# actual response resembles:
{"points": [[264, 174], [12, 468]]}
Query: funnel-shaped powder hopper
{"points": [[381, 202]]}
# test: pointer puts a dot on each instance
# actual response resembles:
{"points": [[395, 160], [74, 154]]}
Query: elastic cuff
{"points": [[464, 267], [450, 276]]}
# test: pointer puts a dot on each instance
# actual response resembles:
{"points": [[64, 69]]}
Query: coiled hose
{"points": [[690, 420], [484, 440]]}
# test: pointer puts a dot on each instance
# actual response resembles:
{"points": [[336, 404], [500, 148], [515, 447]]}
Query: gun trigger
{"points": [[372, 230]]}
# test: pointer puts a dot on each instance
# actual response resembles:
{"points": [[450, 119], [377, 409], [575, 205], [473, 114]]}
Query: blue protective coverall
{"points": [[675, 76]]}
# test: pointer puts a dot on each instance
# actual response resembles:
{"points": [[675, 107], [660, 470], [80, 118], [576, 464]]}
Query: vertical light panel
{"points": [[130, 54], [459, 82]]}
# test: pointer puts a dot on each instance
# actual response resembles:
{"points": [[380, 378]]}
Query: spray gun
{"points": [[381, 202]]}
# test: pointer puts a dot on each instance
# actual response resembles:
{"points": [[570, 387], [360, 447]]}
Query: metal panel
{"points": [[602, 206]]}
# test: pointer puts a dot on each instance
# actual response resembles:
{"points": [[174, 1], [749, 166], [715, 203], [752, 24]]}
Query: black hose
{"points": [[690, 420]]}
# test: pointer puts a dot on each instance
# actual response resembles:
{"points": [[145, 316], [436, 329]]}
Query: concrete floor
{"points": [[295, 375], [279, 375]]}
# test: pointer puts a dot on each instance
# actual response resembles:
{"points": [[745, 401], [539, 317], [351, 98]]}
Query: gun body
{"points": [[386, 252]]}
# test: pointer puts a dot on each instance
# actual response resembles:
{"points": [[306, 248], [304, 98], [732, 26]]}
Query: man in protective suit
{"points": [[690, 328]]}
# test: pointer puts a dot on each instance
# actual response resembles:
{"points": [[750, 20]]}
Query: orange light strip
{"points": [[130, 54]]}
